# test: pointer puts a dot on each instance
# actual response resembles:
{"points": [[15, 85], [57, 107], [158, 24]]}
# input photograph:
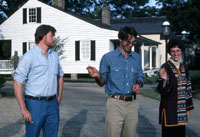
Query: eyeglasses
{"points": [[175, 51], [128, 42]]}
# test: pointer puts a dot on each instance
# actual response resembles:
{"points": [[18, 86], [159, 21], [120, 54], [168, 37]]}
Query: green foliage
{"points": [[2, 81], [59, 45], [152, 93], [195, 79], [182, 14], [151, 80]]}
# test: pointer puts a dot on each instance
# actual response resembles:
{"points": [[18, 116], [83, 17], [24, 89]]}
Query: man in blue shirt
{"points": [[121, 72], [41, 72]]}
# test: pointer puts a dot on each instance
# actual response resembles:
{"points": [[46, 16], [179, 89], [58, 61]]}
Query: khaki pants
{"points": [[121, 116]]}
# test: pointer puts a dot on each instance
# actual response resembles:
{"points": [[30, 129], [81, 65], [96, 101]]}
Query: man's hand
{"points": [[59, 100], [136, 89], [188, 114], [163, 73], [27, 116], [93, 72]]}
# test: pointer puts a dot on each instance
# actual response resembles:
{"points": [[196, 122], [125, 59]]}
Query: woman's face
{"points": [[176, 53]]}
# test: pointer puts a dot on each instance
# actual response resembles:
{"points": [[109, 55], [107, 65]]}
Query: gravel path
{"points": [[85, 117]]}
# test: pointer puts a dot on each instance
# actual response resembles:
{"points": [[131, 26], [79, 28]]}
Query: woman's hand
{"points": [[163, 73]]}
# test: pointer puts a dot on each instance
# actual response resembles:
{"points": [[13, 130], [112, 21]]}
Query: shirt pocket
{"points": [[116, 73]]}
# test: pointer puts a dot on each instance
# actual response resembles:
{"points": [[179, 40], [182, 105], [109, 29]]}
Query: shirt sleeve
{"points": [[140, 72], [104, 68], [22, 71], [60, 71]]}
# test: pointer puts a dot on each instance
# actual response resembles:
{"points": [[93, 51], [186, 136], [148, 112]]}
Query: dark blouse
{"points": [[176, 97]]}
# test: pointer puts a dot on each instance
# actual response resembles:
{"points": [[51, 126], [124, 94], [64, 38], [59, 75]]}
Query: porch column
{"points": [[142, 55], [150, 62], [157, 57]]}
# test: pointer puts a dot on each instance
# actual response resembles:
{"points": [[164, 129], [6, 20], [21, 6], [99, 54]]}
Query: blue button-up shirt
{"points": [[121, 74], [38, 73]]}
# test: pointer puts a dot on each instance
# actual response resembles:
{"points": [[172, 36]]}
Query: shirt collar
{"points": [[41, 51], [119, 52]]}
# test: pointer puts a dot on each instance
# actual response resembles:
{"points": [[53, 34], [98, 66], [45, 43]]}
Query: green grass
{"points": [[9, 93], [151, 92], [150, 80], [79, 80]]}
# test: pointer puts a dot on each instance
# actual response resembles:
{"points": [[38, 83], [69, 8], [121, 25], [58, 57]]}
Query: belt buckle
{"points": [[47, 99]]}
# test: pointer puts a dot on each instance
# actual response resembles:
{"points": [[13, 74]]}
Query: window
{"points": [[34, 15], [5, 49], [85, 50], [27, 46]]}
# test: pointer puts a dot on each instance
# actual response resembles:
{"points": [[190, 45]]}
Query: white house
{"points": [[87, 40]]}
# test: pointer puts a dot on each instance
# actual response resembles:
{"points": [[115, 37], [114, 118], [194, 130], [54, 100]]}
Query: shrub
{"points": [[151, 80], [2, 81]]}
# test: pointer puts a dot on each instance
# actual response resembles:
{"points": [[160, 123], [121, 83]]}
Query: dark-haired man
{"points": [[41, 72], [121, 72]]}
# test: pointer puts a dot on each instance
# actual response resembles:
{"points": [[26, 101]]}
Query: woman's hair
{"points": [[42, 30], [175, 42], [125, 32]]}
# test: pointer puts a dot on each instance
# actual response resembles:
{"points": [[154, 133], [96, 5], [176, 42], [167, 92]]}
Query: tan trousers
{"points": [[121, 117]]}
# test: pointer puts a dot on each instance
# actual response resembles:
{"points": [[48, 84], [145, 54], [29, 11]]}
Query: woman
{"points": [[175, 89]]}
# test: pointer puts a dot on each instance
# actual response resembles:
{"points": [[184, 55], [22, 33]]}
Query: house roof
{"points": [[146, 41], [143, 25]]}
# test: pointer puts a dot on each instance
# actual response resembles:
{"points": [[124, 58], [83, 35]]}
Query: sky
{"points": [[153, 3]]}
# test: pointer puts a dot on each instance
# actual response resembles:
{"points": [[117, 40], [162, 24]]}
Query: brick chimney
{"points": [[106, 15], [58, 3]]}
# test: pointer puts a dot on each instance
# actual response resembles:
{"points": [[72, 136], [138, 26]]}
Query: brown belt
{"points": [[41, 98], [124, 98]]}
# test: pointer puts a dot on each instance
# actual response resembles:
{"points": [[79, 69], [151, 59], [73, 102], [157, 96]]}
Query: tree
{"points": [[59, 45], [182, 15]]}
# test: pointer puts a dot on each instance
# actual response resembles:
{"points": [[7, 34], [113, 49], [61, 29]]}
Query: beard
{"points": [[125, 48]]}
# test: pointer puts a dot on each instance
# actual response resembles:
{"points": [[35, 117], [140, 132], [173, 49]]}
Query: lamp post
{"points": [[184, 39], [166, 33]]}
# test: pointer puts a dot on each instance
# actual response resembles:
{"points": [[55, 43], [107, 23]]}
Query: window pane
{"points": [[32, 15], [85, 49]]}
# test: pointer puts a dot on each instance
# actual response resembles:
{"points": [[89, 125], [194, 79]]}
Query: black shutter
{"points": [[24, 16], [24, 48], [38, 15], [93, 50], [77, 50]]}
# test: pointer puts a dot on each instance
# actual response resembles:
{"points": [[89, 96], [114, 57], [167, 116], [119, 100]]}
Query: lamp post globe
{"points": [[166, 33]]}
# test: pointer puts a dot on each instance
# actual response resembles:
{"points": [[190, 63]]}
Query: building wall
{"points": [[67, 26], [161, 47]]}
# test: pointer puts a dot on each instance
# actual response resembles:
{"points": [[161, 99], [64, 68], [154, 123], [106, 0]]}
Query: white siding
{"points": [[67, 26]]}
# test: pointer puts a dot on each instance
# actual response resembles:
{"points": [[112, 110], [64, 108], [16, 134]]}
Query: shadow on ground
{"points": [[72, 127], [191, 133], [12, 129], [145, 128]]}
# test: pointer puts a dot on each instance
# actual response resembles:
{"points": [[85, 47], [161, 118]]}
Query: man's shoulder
{"points": [[54, 53], [135, 54], [111, 53], [29, 53]]}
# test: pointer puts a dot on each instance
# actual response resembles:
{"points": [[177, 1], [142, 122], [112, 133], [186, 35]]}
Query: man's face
{"points": [[127, 45], [49, 39]]}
